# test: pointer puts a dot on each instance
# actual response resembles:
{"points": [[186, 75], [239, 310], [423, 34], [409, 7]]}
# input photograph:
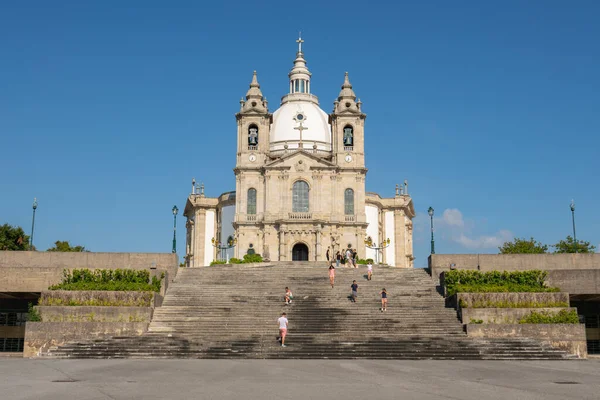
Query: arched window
{"points": [[253, 135], [300, 197], [251, 210], [349, 202], [348, 136]]}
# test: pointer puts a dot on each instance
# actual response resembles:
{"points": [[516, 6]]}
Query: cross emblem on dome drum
{"points": [[300, 128]]}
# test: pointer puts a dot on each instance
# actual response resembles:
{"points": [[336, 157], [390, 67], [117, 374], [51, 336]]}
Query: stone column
{"points": [[400, 239], [318, 246], [281, 244], [199, 237]]}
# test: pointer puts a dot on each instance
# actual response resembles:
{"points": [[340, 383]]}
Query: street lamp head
{"points": [[175, 210], [572, 205], [35, 203], [430, 211]]}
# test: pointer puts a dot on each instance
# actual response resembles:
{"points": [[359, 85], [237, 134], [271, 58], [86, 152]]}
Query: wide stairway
{"points": [[231, 311]]}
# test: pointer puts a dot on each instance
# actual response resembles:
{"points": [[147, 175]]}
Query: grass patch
{"points": [[512, 304], [107, 279], [544, 317], [462, 281]]}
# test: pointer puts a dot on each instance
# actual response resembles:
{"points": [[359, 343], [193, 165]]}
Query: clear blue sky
{"points": [[489, 109]]}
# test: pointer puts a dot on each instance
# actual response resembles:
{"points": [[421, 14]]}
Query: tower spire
{"points": [[254, 91]]}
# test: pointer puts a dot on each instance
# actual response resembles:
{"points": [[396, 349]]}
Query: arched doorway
{"points": [[300, 252]]}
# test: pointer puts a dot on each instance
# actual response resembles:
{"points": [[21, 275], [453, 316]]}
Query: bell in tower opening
{"points": [[253, 135]]}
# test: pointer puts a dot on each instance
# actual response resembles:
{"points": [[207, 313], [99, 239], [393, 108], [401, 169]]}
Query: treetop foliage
{"points": [[13, 238], [531, 246], [64, 246]]}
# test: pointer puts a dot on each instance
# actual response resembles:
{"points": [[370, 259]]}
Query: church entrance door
{"points": [[300, 252]]}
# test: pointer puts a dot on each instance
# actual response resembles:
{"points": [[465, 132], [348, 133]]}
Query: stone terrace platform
{"points": [[230, 311]]}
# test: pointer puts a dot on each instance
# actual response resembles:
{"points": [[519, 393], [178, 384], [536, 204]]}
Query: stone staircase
{"points": [[230, 311]]}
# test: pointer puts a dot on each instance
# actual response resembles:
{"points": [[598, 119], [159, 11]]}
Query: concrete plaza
{"points": [[295, 379]]}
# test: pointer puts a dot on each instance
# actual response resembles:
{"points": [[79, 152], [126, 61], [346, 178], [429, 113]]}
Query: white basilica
{"points": [[300, 185]]}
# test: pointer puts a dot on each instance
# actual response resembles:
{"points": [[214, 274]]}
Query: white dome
{"points": [[304, 114]]}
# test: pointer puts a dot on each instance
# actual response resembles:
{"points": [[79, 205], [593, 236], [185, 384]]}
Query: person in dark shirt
{"points": [[327, 254], [383, 300], [338, 258], [354, 288]]}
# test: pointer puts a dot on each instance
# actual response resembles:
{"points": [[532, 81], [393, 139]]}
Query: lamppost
{"points": [[369, 243], [430, 212], [231, 242], [175, 210], [34, 206], [573, 216]]}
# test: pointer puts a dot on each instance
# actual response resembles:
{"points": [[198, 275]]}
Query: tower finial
{"points": [[299, 41], [254, 91]]}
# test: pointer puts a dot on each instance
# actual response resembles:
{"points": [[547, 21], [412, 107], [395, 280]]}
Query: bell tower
{"points": [[347, 128], [253, 124]]}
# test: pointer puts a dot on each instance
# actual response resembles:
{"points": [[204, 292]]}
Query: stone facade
{"points": [[300, 185]]}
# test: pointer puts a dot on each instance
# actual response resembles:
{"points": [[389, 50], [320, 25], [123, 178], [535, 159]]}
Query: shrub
{"points": [[511, 304], [33, 314], [544, 317], [476, 321], [217, 262], [496, 281], [252, 258], [102, 298], [234, 260], [367, 261], [107, 279]]}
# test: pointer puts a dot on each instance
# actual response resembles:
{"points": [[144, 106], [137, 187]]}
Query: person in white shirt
{"points": [[348, 258], [283, 324], [369, 271]]}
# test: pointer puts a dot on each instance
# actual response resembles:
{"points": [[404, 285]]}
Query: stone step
{"points": [[231, 311]]}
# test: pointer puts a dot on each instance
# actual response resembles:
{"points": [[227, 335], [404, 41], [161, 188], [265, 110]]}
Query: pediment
{"points": [[295, 157]]}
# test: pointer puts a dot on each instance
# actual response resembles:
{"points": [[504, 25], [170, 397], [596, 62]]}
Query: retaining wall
{"points": [[523, 297], [101, 297], [94, 314], [567, 337], [40, 336], [503, 315], [35, 271]]}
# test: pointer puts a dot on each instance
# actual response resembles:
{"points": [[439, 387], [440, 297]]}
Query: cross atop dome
{"points": [[299, 75], [300, 41]]}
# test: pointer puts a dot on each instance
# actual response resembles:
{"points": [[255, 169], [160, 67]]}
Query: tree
{"points": [[568, 246], [66, 247], [13, 238], [523, 246]]}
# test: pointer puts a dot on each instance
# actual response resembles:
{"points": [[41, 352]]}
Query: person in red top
{"points": [[331, 275]]}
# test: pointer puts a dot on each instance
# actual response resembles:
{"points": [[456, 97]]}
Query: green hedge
{"points": [[108, 279], [248, 258], [367, 261], [512, 304], [466, 281], [544, 317]]}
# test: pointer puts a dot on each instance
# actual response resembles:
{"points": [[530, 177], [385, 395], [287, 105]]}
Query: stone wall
{"points": [[582, 281], [567, 337], [40, 336], [94, 314], [514, 262], [470, 298], [35, 271], [98, 297], [503, 315]]}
